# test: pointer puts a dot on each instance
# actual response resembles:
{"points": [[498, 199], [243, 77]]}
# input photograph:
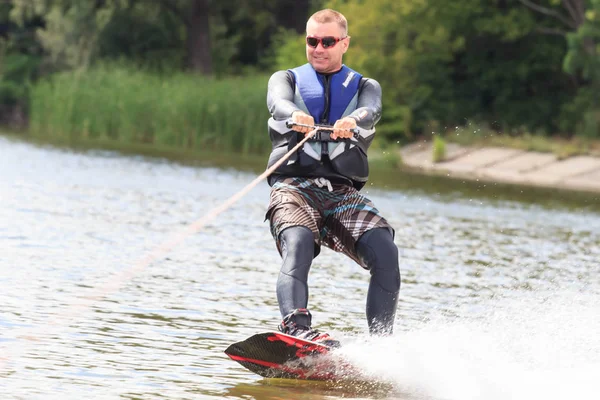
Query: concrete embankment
{"points": [[505, 165]]}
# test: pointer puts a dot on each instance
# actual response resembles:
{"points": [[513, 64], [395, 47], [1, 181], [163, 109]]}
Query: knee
{"points": [[377, 245], [377, 250], [297, 240], [297, 244]]}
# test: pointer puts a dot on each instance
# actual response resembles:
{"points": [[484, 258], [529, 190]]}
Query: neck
{"points": [[332, 72]]}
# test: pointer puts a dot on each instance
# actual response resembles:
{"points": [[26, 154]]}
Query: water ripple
{"points": [[72, 222]]}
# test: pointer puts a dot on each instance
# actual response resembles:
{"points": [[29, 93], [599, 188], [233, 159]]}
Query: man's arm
{"points": [[280, 95], [280, 100], [368, 108]]}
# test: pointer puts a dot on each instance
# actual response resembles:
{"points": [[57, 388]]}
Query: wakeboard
{"points": [[277, 355]]}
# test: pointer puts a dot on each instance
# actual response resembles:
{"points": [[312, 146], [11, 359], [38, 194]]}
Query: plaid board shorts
{"points": [[337, 214]]}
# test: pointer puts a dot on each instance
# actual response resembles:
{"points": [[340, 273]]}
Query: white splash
{"points": [[533, 347]]}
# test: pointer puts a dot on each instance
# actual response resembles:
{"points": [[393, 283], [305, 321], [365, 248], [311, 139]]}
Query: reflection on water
{"points": [[489, 284], [271, 389]]}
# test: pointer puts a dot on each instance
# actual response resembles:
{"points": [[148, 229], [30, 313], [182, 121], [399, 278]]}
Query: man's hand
{"points": [[341, 128], [300, 117]]}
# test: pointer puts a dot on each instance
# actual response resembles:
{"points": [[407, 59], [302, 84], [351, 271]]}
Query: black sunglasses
{"points": [[327, 41]]}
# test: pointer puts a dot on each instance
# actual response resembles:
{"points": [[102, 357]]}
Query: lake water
{"points": [[103, 294]]}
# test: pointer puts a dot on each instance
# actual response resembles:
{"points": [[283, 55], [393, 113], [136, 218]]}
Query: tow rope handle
{"points": [[324, 129]]}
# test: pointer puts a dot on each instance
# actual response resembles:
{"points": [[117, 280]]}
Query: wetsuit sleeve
{"points": [[280, 95], [368, 108]]}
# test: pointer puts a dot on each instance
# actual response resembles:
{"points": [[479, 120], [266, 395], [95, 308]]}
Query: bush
{"points": [[439, 149]]}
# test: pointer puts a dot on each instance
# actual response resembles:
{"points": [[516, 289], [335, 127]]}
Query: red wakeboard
{"points": [[277, 355]]}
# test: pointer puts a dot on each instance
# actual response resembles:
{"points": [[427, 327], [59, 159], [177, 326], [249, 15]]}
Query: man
{"points": [[315, 195]]}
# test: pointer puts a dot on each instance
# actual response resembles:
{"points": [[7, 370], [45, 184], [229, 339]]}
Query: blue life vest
{"points": [[342, 88], [327, 99]]}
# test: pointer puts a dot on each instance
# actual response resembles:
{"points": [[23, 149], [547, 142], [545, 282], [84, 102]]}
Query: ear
{"points": [[346, 43]]}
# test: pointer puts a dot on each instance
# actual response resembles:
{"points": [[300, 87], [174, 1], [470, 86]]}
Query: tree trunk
{"points": [[199, 57], [576, 10]]}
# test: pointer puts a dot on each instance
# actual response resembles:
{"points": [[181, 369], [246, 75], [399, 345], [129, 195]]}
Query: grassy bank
{"points": [[128, 106], [118, 106]]}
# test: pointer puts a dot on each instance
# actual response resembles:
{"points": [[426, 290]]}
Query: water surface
{"points": [[500, 297]]}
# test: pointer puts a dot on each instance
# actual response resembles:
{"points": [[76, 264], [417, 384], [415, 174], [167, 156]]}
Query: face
{"points": [[325, 60]]}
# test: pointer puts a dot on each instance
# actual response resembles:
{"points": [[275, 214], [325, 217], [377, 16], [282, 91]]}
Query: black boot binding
{"points": [[290, 327]]}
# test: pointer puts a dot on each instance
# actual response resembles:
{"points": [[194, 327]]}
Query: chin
{"points": [[320, 68]]}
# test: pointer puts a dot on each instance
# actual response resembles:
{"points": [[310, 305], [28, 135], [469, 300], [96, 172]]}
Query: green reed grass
{"points": [[438, 149], [132, 106]]}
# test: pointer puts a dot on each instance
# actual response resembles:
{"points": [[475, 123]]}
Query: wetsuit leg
{"points": [[297, 250], [377, 250]]}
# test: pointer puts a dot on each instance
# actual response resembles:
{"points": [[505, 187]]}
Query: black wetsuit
{"points": [[376, 247], [280, 101]]}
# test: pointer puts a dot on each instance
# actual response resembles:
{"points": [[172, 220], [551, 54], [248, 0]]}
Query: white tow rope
{"points": [[37, 335]]}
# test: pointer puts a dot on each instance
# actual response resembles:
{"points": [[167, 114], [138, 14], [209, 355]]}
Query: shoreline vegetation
{"points": [[130, 106], [204, 121], [195, 120], [138, 73], [196, 113]]}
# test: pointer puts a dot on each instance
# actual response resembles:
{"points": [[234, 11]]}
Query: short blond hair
{"points": [[329, 15]]}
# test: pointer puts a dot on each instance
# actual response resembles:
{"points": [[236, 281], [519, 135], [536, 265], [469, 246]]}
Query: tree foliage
{"points": [[510, 65], [583, 60], [442, 64], [71, 28], [189, 34]]}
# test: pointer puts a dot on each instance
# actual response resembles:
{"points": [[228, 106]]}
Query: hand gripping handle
{"points": [[291, 124]]}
